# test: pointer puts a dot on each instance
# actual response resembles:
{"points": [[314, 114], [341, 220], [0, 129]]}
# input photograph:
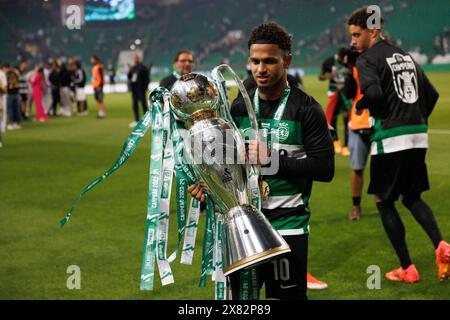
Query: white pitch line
{"points": [[438, 131]]}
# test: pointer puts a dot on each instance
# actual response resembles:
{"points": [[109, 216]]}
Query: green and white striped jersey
{"points": [[302, 129]]}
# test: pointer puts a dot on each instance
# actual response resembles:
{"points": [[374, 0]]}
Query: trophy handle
{"points": [[218, 77]]}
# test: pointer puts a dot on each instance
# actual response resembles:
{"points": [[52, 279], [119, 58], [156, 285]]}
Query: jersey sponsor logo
{"points": [[404, 75]]}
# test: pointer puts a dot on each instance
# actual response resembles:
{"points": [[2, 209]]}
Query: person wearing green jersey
{"points": [[305, 152]]}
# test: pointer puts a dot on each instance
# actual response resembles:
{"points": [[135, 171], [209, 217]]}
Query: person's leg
{"points": [[23, 105], [101, 104], [386, 180], [16, 110], [345, 119], [134, 94], [83, 105], [330, 110], [52, 110], [9, 110], [65, 101], [143, 98], [359, 146], [286, 279], [424, 216], [395, 230], [357, 185]]}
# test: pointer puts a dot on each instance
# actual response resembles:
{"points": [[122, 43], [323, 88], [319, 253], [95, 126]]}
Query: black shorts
{"points": [[98, 94], [285, 276], [23, 97], [403, 172]]}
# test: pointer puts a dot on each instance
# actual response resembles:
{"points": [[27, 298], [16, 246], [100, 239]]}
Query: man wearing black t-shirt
{"points": [[138, 78], [400, 98]]}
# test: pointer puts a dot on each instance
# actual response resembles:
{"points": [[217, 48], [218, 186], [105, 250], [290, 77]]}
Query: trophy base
{"points": [[249, 239], [255, 259]]}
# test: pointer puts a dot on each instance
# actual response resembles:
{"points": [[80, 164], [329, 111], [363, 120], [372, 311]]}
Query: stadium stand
{"points": [[216, 31]]}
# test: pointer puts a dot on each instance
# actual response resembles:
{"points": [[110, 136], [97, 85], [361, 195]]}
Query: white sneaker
{"points": [[10, 127], [17, 126], [132, 124]]}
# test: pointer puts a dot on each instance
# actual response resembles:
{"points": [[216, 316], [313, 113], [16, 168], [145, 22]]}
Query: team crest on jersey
{"points": [[404, 75], [283, 131]]}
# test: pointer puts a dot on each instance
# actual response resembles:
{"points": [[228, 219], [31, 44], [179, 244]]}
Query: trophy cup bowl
{"points": [[215, 152]]}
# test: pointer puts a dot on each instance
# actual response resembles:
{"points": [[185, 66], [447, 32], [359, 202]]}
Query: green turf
{"points": [[44, 166]]}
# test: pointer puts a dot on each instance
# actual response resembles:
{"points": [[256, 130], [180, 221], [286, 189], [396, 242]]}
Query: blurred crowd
{"points": [[53, 88]]}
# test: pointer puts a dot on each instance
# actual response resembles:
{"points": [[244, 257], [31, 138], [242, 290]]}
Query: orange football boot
{"points": [[409, 275], [443, 260]]}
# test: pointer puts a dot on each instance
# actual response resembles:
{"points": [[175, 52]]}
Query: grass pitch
{"points": [[44, 166]]}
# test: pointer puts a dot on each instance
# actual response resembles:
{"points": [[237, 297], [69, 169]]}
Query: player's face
{"points": [[185, 63], [269, 64], [360, 38]]}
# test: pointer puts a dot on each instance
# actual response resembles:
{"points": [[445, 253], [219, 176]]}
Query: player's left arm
{"points": [[429, 91], [318, 165]]}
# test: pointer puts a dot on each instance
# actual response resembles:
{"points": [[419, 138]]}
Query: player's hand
{"points": [[198, 191], [258, 152]]}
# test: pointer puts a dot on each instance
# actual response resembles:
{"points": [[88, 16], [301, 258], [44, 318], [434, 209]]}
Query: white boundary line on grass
{"points": [[438, 131]]}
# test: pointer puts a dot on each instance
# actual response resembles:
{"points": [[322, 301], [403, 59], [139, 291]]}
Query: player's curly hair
{"points": [[360, 17], [271, 33]]}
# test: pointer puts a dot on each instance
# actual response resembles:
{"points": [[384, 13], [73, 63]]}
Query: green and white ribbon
{"points": [[127, 150], [181, 195], [165, 272], [249, 287], [191, 232], [218, 276], [154, 196], [208, 243]]}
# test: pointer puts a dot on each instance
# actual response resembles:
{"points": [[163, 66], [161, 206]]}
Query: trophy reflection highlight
{"points": [[214, 150]]}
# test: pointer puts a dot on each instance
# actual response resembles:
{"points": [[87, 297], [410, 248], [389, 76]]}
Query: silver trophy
{"points": [[214, 150]]}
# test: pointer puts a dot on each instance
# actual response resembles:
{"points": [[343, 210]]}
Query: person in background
{"points": [[112, 76], [23, 89], [359, 129], [98, 80], [55, 87], [38, 83], [80, 94], [3, 90], [64, 91], [335, 70], [400, 98], [47, 87], [139, 79], [12, 99]]}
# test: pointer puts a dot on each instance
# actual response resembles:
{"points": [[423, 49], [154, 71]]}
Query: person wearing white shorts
{"points": [[80, 93]]}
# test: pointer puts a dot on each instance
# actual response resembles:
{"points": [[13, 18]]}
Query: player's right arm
{"points": [[370, 84]]}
